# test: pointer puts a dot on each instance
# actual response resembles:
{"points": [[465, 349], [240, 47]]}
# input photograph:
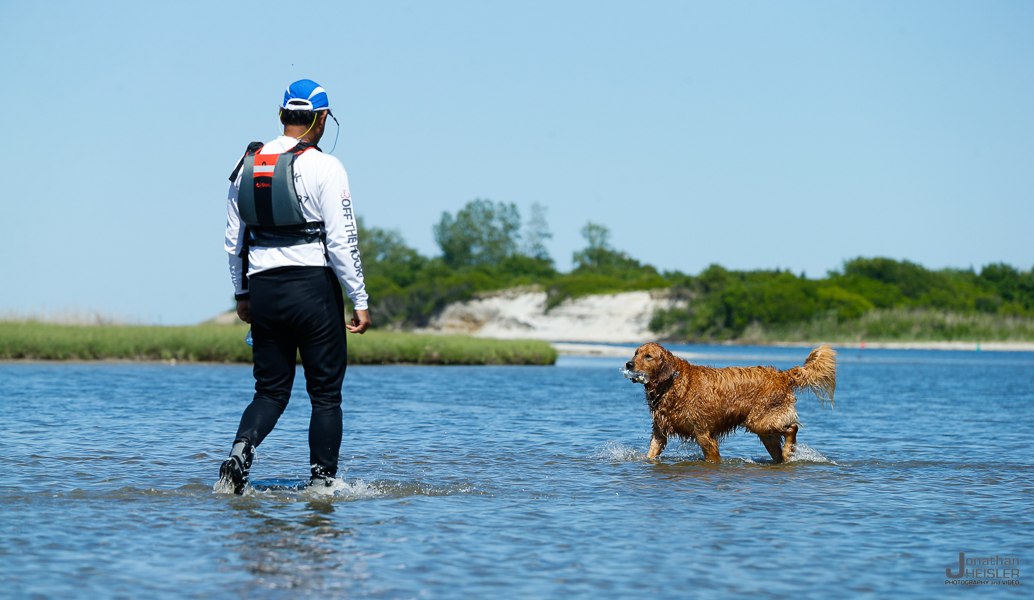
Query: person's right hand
{"points": [[360, 321]]}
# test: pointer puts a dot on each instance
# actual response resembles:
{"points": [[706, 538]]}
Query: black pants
{"points": [[298, 310]]}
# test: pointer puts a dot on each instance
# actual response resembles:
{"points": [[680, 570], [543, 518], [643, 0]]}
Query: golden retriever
{"points": [[705, 404]]}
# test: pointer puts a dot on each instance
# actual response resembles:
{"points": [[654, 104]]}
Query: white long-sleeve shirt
{"points": [[322, 185]]}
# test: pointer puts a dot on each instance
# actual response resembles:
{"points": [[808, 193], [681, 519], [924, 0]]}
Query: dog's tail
{"points": [[819, 374]]}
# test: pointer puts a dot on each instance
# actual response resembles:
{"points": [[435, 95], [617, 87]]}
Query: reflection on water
{"points": [[512, 482], [302, 550]]}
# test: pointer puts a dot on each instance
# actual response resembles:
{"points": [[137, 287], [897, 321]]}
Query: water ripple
{"points": [[514, 482]]}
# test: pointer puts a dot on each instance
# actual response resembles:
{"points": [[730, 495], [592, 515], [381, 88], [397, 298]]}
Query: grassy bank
{"points": [[898, 325], [222, 343]]}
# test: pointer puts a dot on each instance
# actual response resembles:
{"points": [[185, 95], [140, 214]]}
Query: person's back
{"points": [[291, 235]]}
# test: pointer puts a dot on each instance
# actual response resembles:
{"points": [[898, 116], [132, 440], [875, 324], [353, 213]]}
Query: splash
{"points": [[223, 487], [357, 489], [805, 453], [802, 454], [618, 452]]}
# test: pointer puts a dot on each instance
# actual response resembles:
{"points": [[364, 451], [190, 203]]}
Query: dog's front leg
{"points": [[709, 446], [657, 443]]}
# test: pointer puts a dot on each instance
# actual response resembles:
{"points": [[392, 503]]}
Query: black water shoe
{"points": [[320, 482], [321, 477], [232, 473], [234, 470]]}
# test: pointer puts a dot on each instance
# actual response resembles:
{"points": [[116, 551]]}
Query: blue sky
{"points": [[750, 134]]}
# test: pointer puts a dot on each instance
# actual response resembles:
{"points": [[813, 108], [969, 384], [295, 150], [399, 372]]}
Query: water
{"points": [[515, 482]]}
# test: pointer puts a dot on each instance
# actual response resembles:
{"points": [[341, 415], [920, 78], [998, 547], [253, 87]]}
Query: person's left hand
{"points": [[244, 310], [360, 321]]}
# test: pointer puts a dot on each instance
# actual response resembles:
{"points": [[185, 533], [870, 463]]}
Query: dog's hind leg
{"points": [[710, 447], [771, 424], [791, 441], [774, 445]]}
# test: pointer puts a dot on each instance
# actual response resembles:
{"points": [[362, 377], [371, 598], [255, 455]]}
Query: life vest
{"points": [[268, 204]]}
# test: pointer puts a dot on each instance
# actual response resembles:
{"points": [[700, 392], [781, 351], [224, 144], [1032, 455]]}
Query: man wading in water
{"points": [[291, 235]]}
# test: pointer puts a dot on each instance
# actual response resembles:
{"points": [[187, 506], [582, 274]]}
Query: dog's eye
{"points": [[648, 357]]}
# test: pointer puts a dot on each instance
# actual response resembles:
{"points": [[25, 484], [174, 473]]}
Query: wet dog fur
{"points": [[705, 404]]}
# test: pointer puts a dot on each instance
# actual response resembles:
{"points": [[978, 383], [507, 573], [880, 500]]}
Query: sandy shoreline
{"points": [[606, 350], [960, 346]]}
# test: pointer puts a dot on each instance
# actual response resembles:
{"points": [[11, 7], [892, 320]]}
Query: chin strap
{"points": [[337, 132]]}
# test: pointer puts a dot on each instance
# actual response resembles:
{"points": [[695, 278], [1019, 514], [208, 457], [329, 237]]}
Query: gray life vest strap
{"points": [[277, 237]]}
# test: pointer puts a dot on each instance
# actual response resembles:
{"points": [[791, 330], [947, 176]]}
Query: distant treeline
{"points": [[485, 247], [722, 304]]}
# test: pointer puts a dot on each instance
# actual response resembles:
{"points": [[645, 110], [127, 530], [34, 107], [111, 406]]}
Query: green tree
{"points": [[390, 267], [386, 254], [911, 279], [599, 256], [482, 233], [602, 269], [536, 232], [1015, 288]]}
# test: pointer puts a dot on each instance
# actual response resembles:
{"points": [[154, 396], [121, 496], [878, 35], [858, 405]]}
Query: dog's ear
{"points": [[666, 371]]}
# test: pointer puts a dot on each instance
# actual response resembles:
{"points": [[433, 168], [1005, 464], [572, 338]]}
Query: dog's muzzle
{"points": [[633, 376]]}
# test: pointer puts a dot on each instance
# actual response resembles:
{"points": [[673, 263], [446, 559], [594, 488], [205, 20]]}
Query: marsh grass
{"points": [[224, 343], [69, 316], [899, 325]]}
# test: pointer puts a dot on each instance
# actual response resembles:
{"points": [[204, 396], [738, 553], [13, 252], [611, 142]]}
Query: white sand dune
{"points": [[516, 314]]}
